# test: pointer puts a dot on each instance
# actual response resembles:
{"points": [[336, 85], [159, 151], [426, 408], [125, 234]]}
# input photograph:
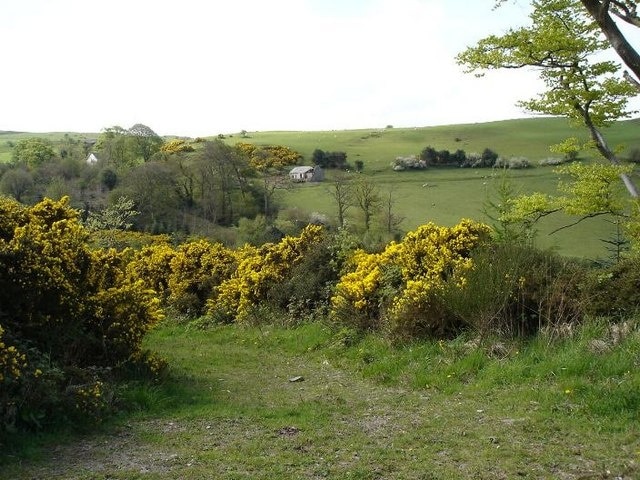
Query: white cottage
{"points": [[306, 174], [92, 159]]}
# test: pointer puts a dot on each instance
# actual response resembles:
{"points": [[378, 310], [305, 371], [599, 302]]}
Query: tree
{"points": [[116, 145], [390, 219], [118, 216], [146, 142], [152, 186], [270, 162], [33, 152], [627, 11], [341, 191], [318, 157], [16, 182], [564, 42], [367, 197], [429, 155], [220, 181]]}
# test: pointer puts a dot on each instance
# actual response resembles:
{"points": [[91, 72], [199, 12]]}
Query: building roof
{"points": [[301, 170]]}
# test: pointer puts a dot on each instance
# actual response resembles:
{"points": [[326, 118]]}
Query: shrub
{"points": [[516, 290], [196, 269], [411, 162], [399, 289], [613, 291], [258, 270], [68, 311], [552, 161], [514, 163]]}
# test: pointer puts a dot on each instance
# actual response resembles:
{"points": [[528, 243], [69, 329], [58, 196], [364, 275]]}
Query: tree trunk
{"points": [[600, 12]]}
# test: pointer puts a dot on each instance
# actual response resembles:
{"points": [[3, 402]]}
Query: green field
{"points": [[444, 195]]}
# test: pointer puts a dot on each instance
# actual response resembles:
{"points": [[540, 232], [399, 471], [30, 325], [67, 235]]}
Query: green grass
{"points": [[451, 194], [367, 409]]}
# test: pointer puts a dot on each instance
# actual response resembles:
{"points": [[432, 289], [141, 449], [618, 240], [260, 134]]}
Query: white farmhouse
{"points": [[306, 174]]}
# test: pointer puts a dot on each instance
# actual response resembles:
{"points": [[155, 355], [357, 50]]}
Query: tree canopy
{"points": [[565, 43]]}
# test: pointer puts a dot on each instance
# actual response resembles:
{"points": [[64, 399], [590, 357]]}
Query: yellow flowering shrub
{"points": [[90, 399], [66, 307], [258, 270], [195, 270], [398, 288], [175, 146], [152, 265], [264, 157], [12, 362]]}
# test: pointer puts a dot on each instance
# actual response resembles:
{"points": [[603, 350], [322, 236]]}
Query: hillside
{"points": [[441, 195], [446, 195]]}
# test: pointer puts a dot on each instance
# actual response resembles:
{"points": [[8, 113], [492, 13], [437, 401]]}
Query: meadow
{"points": [[445, 195]]}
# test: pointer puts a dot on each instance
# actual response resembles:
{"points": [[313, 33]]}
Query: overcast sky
{"points": [[203, 67]]}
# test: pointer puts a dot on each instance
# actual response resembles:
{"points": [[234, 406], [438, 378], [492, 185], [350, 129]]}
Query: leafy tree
{"points": [[336, 160], [329, 159], [489, 157], [318, 157], [146, 142], [429, 155], [459, 157], [564, 42], [115, 144], [221, 183], [115, 217], [109, 178], [152, 186], [16, 182], [443, 157], [33, 152]]}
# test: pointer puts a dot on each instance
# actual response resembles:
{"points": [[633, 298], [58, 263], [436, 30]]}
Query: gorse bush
{"points": [[64, 309], [399, 290], [258, 270], [196, 270], [515, 290]]}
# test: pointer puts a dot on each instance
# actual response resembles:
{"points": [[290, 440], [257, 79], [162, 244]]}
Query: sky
{"points": [[204, 67]]}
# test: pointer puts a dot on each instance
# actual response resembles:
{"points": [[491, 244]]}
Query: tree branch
{"points": [[600, 13], [581, 219]]}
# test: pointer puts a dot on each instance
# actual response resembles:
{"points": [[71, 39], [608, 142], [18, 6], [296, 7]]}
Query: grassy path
{"points": [[236, 414]]}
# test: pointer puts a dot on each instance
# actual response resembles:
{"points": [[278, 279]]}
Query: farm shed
{"points": [[306, 174], [92, 159]]}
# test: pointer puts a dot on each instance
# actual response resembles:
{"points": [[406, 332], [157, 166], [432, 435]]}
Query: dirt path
{"points": [[246, 419]]}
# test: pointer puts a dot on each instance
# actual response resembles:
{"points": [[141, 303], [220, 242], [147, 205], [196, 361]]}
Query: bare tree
{"points": [[367, 197], [341, 190], [390, 219]]}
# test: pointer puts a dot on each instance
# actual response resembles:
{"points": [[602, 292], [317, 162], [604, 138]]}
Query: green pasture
{"points": [[445, 195], [377, 148]]}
